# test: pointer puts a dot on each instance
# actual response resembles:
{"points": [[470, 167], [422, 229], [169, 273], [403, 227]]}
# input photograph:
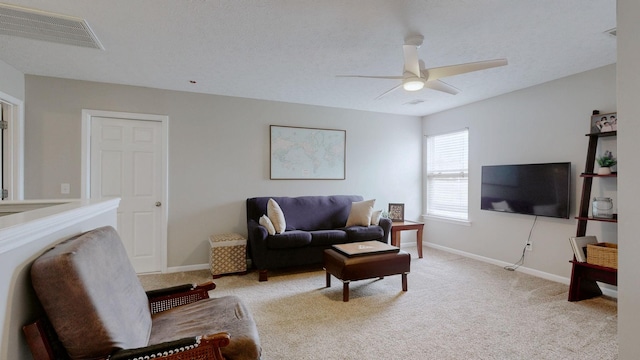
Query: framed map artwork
{"points": [[307, 153]]}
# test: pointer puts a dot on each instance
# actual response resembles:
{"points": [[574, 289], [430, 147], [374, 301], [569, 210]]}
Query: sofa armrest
{"points": [[200, 347], [257, 235], [385, 224], [165, 299]]}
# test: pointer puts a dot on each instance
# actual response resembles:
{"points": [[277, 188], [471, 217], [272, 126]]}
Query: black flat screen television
{"points": [[531, 189]]}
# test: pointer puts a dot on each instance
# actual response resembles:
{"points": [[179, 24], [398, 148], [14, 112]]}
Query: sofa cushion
{"points": [[328, 237], [108, 311], [289, 239], [211, 316], [275, 214], [360, 213], [364, 233]]}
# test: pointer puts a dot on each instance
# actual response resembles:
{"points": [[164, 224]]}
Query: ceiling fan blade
{"points": [[372, 77], [411, 63], [388, 91], [441, 86], [444, 71]]}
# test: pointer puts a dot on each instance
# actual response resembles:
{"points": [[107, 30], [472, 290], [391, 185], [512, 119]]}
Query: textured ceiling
{"points": [[291, 50]]}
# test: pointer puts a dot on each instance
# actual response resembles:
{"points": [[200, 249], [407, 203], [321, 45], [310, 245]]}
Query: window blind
{"points": [[447, 170]]}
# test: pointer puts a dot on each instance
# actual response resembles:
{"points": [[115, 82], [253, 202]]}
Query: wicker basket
{"points": [[603, 254]]}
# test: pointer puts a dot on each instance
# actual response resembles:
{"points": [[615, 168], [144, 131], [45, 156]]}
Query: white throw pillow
{"points": [[375, 217], [275, 214], [360, 214], [264, 221]]}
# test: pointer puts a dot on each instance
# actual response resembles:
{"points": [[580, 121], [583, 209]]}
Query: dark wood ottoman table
{"points": [[366, 264]]}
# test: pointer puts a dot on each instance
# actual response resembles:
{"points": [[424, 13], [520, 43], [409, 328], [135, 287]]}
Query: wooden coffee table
{"points": [[351, 265]]}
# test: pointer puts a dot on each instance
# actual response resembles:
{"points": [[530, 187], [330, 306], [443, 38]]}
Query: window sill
{"points": [[447, 220]]}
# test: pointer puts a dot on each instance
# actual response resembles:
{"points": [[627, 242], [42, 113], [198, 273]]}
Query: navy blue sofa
{"points": [[314, 223]]}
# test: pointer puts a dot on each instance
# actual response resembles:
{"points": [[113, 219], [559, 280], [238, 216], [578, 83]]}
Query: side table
{"points": [[398, 226]]}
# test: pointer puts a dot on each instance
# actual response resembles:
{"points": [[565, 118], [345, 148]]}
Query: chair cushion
{"points": [[211, 316], [92, 296]]}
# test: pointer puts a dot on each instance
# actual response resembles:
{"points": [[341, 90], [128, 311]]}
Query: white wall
{"points": [[545, 123], [629, 109], [12, 81], [218, 153]]}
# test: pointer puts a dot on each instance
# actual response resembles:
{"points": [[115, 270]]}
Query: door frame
{"points": [[85, 184], [14, 147]]}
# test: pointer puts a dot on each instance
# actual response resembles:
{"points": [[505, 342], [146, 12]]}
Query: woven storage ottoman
{"points": [[228, 254]]}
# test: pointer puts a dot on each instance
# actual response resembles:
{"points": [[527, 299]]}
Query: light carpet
{"points": [[455, 308]]}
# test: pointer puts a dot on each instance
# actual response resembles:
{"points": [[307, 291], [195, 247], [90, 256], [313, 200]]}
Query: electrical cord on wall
{"points": [[524, 249]]}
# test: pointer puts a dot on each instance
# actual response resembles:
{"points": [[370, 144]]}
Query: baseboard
{"points": [[174, 269], [541, 274]]}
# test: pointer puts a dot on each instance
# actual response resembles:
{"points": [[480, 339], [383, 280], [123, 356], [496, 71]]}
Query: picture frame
{"points": [[300, 153], [396, 212], [601, 123]]}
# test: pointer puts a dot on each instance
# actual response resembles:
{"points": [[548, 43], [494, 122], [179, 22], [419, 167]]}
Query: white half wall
{"points": [[544, 123], [218, 154]]}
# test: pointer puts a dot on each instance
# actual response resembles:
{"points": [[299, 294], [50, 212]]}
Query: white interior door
{"points": [[126, 162]]}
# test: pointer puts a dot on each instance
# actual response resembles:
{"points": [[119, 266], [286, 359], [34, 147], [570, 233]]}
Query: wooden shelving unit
{"points": [[583, 275]]}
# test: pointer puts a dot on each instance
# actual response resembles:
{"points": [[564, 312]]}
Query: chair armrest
{"points": [[44, 345], [165, 299], [199, 347], [169, 291], [43, 340]]}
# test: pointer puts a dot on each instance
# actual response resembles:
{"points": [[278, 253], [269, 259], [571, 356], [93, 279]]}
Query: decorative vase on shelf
{"points": [[602, 207], [604, 170]]}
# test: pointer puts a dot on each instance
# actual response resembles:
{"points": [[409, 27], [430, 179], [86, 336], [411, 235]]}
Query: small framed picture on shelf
{"points": [[601, 123], [396, 212]]}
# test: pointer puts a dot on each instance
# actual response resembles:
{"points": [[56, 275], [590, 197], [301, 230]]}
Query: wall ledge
{"points": [[20, 229]]}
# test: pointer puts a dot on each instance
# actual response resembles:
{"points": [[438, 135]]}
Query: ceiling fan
{"points": [[416, 77]]}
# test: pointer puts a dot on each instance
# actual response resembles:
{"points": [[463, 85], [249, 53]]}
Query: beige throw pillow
{"points": [[264, 221], [275, 214], [360, 214], [375, 217]]}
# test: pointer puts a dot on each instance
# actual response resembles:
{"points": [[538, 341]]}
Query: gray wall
{"points": [[218, 153], [11, 81], [544, 123], [628, 90]]}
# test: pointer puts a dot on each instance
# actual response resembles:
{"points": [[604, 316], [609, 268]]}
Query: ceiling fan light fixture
{"points": [[413, 84]]}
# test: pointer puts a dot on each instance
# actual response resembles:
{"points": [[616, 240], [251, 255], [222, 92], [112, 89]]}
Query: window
{"points": [[447, 175]]}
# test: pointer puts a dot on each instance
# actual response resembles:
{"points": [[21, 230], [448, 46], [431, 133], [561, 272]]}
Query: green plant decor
{"points": [[607, 160]]}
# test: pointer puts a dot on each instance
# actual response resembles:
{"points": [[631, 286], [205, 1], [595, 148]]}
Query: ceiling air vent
{"points": [[414, 102], [612, 32], [45, 26]]}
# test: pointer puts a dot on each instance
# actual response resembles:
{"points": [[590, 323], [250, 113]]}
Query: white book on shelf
{"points": [[579, 245]]}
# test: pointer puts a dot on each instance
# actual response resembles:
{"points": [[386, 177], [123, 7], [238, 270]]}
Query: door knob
{"points": [[158, 204]]}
